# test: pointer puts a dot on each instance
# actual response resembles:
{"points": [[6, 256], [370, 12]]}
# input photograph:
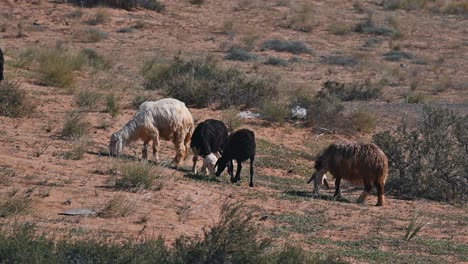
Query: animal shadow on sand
{"points": [[201, 177], [325, 197]]}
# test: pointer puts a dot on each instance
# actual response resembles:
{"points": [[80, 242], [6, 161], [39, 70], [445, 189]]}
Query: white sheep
{"points": [[168, 119], [209, 162]]}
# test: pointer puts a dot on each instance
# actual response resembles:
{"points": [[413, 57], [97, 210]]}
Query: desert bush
{"points": [[368, 27], [274, 111], [87, 98], [232, 120], [14, 204], [77, 151], [200, 82], [240, 54], [455, 8], [125, 30], [338, 60], [90, 35], [431, 160], [339, 28], [197, 2], [13, 101], [154, 5], [275, 61], [117, 206], [301, 16], [75, 125], [415, 98], [234, 238], [136, 175], [100, 17], [362, 120], [404, 4], [94, 60], [352, 91], [326, 111], [294, 47], [112, 104], [397, 55]]}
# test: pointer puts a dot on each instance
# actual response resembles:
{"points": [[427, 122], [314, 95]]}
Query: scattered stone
{"points": [[298, 112], [79, 211], [248, 115]]}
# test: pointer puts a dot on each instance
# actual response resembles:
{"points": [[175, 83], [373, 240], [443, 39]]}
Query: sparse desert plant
{"points": [[274, 111], [112, 104], [77, 151], [294, 47], [429, 161], [201, 82], [197, 2], [14, 204], [364, 90], [397, 55], [125, 30], [136, 175], [275, 61], [90, 35], [232, 119], [362, 120], [100, 17], [13, 101], [339, 60], [75, 125], [326, 111], [239, 54], [301, 16], [117, 206], [87, 98], [94, 60], [367, 26], [339, 28], [415, 98], [455, 7], [229, 27], [139, 24], [154, 5], [404, 4], [414, 227]]}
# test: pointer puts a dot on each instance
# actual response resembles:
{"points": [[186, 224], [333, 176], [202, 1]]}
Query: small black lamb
{"points": [[210, 136], [240, 147]]}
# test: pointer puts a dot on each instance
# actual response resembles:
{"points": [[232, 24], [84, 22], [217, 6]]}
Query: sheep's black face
{"points": [[115, 145], [221, 165]]}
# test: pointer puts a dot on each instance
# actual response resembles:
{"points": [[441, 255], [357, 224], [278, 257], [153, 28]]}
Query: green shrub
{"points": [[13, 101], [118, 206], [326, 111], [14, 205], [113, 105], [404, 4], [362, 120], [90, 35], [87, 98], [397, 55], [431, 160], [274, 111], [338, 60], [94, 60], [236, 53], [75, 125], [339, 28], [201, 82], [124, 4], [301, 17], [417, 98], [197, 2], [77, 152], [100, 17], [275, 61], [232, 120], [294, 47], [136, 175], [352, 91], [368, 27]]}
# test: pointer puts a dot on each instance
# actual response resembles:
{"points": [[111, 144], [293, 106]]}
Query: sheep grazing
{"points": [[209, 136], [240, 147], [209, 163], [2, 61], [359, 163], [168, 119]]}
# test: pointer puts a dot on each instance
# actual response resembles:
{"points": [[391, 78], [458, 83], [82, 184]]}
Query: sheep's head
{"points": [[319, 176], [221, 165], [116, 144]]}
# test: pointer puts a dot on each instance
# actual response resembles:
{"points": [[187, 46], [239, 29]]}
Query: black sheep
{"points": [[2, 61], [240, 147], [209, 136]]}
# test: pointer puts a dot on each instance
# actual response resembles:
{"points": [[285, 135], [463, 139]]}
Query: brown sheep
{"points": [[359, 163]]}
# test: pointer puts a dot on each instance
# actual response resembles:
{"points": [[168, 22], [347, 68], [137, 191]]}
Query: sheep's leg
{"points": [[337, 187], [187, 143], [251, 184], [238, 172], [195, 159], [156, 148], [363, 197], [144, 151], [380, 193], [180, 149]]}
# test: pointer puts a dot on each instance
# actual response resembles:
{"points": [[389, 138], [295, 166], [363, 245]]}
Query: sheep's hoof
{"points": [[251, 185]]}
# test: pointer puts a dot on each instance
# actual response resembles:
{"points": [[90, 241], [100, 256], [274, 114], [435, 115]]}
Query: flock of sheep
{"points": [[170, 120]]}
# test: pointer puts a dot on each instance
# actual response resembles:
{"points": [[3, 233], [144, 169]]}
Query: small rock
{"points": [[298, 112], [79, 211], [263, 218], [67, 202], [248, 115]]}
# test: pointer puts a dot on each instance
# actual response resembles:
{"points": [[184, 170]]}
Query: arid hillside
{"points": [[74, 75]]}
